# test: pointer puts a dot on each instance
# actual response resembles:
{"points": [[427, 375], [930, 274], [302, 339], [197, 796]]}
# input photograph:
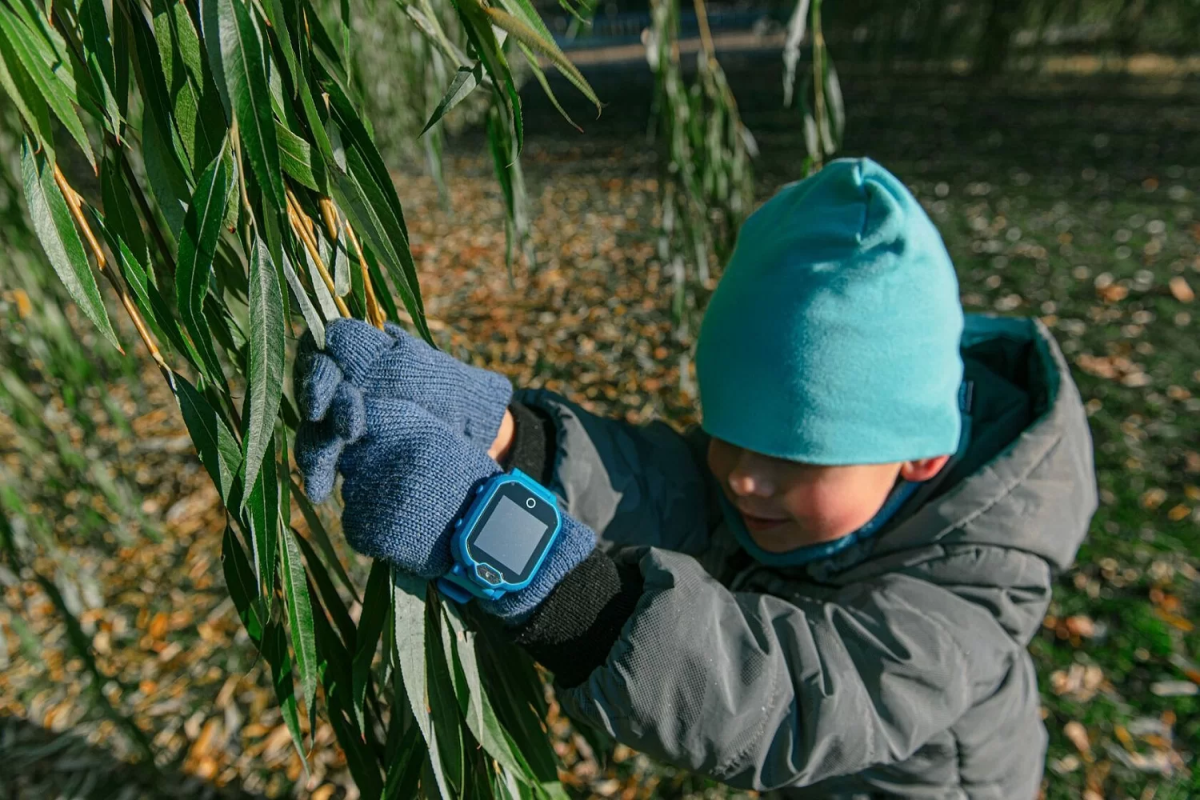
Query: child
{"points": [[829, 589]]}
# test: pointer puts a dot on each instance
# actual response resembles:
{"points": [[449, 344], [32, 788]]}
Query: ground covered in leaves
{"points": [[1070, 199]]}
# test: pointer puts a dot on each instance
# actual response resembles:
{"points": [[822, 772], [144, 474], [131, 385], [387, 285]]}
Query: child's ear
{"points": [[922, 469]]}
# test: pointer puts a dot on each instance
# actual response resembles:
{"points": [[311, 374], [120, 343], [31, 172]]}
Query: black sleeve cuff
{"points": [[533, 445], [573, 630]]}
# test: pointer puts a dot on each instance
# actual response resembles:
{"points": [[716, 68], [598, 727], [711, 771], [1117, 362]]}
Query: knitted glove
{"points": [[394, 363], [407, 478]]}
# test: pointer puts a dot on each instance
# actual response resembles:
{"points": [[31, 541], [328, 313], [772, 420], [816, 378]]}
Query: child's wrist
{"points": [[502, 444]]}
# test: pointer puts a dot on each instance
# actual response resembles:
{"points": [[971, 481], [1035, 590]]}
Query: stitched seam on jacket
{"points": [[1006, 490]]}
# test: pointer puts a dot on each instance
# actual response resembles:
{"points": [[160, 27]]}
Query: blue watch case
{"points": [[497, 545]]}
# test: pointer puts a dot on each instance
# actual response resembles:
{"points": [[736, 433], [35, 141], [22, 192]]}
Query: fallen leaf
{"points": [[1174, 688], [1153, 498], [1181, 289], [1077, 735]]}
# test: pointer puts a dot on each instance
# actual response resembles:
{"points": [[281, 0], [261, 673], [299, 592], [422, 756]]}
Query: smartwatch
{"points": [[500, 543]]}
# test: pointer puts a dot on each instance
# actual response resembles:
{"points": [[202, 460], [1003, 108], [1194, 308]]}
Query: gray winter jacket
{"points": [[895, 669]]}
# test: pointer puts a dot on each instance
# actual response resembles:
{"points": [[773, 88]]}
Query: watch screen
{"points": [[510, 534]]}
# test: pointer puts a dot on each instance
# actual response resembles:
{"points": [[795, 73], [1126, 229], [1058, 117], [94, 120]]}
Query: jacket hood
{"points": [[1037, 492]]}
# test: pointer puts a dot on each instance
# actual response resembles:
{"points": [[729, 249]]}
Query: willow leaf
{"points": [[465, 81], [145, 293], [55, 229], [296, 159], [476, 707], [274, 650], [264, 379], [239, 580], [375, 608], [197, 247], [263, 507], [26, 97], [328, 593], [54, 85], [218, 450], [478, 26], [300, 615], [408, 615], [240, 73], [527, 27]]}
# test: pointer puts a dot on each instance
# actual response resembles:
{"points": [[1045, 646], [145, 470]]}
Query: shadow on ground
{"points": [[39, 763]]}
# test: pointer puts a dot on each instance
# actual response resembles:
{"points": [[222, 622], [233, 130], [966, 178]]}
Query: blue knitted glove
{"points": [[394, 363], [407, 478]]}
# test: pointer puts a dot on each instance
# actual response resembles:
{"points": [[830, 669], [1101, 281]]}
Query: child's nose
{"points": [[746, 483]]}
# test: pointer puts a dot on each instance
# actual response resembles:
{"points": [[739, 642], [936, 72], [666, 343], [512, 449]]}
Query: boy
{"points": [[828, 590]]}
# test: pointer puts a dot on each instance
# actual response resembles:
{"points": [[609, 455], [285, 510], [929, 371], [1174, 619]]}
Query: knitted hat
{"points": [[833, 336]]}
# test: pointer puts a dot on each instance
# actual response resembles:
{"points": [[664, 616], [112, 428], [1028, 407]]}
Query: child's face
{"points": [[788, 504]]}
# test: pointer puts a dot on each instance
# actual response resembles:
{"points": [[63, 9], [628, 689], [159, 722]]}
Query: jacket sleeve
{"points": [[632, 485], [762, 693]]}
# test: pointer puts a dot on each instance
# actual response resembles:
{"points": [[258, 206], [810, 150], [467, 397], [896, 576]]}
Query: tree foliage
{"points": [[237, 190]]}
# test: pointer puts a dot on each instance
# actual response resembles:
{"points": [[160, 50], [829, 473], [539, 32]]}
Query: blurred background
{"points": [[1056, 144]]}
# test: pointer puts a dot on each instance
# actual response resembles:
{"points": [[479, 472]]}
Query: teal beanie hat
{"points": [[833, 336]]}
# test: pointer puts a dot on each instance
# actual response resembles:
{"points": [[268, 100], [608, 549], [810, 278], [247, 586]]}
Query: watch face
{"points": [[512, 533]]}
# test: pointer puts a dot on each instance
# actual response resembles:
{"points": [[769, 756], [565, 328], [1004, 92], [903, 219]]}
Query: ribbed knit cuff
{"points": [[572, 632], [533, 443]]}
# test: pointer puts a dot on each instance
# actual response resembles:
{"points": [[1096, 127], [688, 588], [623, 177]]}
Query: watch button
{"points": [[487, 574]]}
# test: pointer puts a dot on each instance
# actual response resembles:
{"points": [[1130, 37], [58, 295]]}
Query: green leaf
{"points": [[164, 172], [311, 316], [263, 505], [26, 96], [328, 593], [218, 450], [408, 615], [239, 579], [538, 73], [197, 246], [119, 211], [55, 229], [465, 81], [478, 26], [473, 700], [239, 69], [51, 76], [145, 293], [317, 530], [278, 23], [158, 125], [197, 108], [300, 615], [365, 203], [335, 677], [375, 607], [295, 157], [835, 104], [404, 769], [364, 163], [264, 378], [275, 651], [528, 29], [511, 682], [98, 51]]}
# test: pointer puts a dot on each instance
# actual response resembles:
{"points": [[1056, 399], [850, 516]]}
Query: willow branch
{"points": [[375, 314], [75, 203], [302, 226]]}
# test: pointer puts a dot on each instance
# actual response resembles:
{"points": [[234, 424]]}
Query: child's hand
{"points": [[407, 478], [393, 363]]}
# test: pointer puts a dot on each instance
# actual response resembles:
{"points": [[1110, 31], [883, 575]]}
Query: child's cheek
{"points": [[826, 511]]}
